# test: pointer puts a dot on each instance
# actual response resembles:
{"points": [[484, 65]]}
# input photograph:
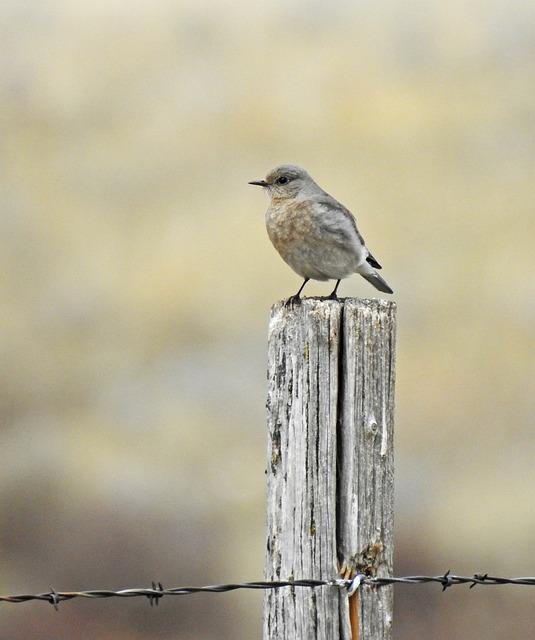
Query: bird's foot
{"points": [[333, 295], [293, 300]]}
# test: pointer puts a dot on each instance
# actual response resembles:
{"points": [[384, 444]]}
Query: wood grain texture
{"points": [[365, 491], [302, 412], [329, 472]]}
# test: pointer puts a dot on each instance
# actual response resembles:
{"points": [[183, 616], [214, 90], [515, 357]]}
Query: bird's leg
{"points": [[295, 299], [333, 295]]}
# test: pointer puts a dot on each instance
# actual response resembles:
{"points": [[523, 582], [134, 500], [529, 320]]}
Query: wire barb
{"points": [[53, 599], [157, 593], [446, 581], [478, 579]]}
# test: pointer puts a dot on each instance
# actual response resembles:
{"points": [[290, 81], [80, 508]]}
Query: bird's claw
{"points": [[292, 300]]}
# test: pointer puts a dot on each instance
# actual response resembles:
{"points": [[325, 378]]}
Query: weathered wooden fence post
{"points": [[330, 467]]}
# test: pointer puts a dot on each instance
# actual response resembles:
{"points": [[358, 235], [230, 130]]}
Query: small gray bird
{"points": [[313, 232]]}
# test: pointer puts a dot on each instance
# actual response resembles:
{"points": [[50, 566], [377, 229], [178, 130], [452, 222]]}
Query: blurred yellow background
{"points": [[137, 279]]}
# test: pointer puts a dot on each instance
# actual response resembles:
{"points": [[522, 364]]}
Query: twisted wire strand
{"points": [[157, 591]]}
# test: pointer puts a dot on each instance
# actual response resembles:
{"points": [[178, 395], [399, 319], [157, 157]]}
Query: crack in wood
{"points": [[330, 490]]}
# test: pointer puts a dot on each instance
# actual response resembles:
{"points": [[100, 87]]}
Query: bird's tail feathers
{"points": [[379, 283]]}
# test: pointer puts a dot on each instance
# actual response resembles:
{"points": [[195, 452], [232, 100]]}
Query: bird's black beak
{"points": [[259, 183]]}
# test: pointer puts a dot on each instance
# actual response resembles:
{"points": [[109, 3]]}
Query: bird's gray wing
{"points": [[341, 223]]}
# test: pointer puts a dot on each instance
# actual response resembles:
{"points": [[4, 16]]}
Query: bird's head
{"points": [[286, 182]]}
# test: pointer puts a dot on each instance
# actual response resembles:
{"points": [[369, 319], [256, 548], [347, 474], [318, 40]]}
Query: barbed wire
{"points": [[157, 591]]}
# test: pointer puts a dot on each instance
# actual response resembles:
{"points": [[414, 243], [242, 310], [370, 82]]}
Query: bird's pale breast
{"points": [[288, 226], [295, 230]]}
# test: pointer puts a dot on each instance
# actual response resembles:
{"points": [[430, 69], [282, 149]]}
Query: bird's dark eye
{"points": [[282, 180]]}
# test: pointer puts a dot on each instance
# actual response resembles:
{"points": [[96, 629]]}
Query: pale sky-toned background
{"points": [[137, 279]]}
